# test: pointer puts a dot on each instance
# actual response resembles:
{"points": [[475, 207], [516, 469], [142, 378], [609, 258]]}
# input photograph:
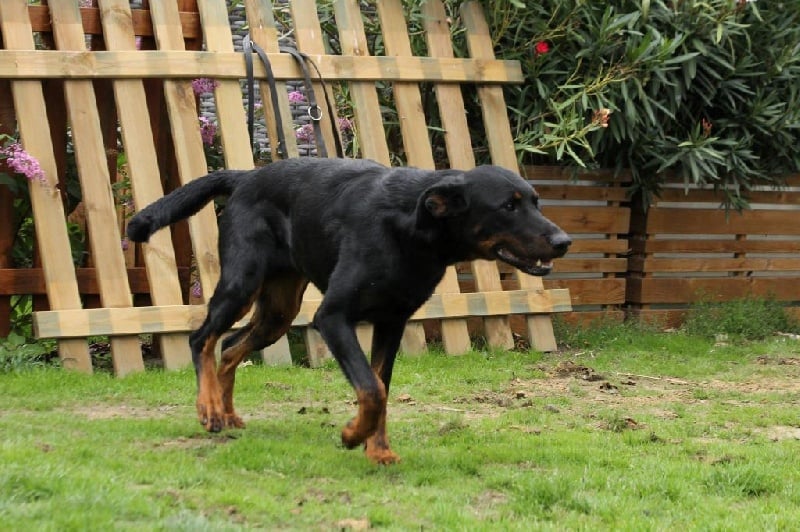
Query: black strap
{"points": [[314, 110]]}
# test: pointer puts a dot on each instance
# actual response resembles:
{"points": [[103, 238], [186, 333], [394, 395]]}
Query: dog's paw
{"points": [[381, 456], [233, 421], [351, 436], [212, 419]]}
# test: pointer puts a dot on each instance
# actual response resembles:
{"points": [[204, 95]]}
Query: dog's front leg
{"points": [[339, 333], [385, 343]]}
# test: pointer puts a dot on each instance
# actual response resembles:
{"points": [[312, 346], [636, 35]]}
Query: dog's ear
{"points": [[445, 200]]}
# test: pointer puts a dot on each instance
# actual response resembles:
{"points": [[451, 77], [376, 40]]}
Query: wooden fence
{"points": [[685, 249], [79, 74], [94, 82]]}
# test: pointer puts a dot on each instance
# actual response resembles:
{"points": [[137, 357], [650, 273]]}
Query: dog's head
{"points": [[494, 214]]}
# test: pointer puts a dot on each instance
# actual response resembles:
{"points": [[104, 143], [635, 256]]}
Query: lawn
{"points": [[628, 430]]}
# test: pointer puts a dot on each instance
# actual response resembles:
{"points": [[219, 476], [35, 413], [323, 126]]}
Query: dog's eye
{"points": [[510, 205]]}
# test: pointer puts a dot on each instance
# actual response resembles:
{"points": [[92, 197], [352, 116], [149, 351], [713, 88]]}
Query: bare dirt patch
{"points": [[105, 411]]}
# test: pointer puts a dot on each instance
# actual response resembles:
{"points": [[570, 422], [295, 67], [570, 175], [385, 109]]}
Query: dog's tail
{"points": [[181, 203]]}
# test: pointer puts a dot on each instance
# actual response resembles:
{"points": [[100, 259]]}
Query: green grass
{"points": [[675, 431]]}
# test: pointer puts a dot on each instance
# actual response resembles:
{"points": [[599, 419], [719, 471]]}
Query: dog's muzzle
{"points": [[537, 265]]}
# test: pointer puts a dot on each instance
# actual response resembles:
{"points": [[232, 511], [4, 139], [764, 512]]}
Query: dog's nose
{"points": [[560, 242]]}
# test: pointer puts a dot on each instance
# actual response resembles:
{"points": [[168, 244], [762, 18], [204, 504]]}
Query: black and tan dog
{"points": [[375, 240]]}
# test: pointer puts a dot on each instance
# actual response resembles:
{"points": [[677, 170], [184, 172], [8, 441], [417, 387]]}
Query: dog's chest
{"points": [[399, 290]]}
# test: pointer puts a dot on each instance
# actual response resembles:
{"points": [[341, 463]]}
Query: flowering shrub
{"points": [[20, 161], [202, 86], [710, 90]]}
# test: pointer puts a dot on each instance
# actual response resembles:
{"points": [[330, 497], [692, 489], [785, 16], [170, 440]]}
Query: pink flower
{"points": [[208, 130], [204, 85], [305, 133], [197, 289], [125, 244], [22, 162], [296, 97], [541, 47], [345, 124]]}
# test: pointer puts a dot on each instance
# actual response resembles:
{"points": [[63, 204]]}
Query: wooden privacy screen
{"points": [[589, 206], [113, 69], [686, 249]]}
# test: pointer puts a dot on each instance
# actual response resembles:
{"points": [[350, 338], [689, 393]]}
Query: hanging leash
{"points": [[314, 110]]}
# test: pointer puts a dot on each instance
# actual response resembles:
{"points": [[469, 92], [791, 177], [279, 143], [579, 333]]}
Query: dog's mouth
{"points": [[538, 267]]}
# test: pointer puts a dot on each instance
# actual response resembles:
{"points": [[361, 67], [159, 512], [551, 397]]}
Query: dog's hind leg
{"points": [[385, 343], [231, 300], [277, 305]]}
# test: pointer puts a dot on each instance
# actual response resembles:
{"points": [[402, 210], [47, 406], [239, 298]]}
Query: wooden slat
{"points": [[264, 33], [459, 151], [590, 265], [718, 222], [369, 122], [159, 256], [308, 32], [95, 182], [590, 318], [581, 192], [90, 18], [570, 173], [233, 124], [597, 245], [48, 211], [777, 197], [189, 154], [181, 318], [227, 64], [682, 290], [606, 291], [715, 265], [717, 246], [501, 147], [413, 125], [310, 41], [596, 291], [17, 281], [589, 219]]}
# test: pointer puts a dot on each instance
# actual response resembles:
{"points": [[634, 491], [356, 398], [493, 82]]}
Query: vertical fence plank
{"points": [[369, 121], [189, 154], [416, 141], [233, 124], [8, 123], [159, 256], [308, 33], [95, 181], [457, 141], [309, 40], [263, 32], [48, 211], [501, 147]]}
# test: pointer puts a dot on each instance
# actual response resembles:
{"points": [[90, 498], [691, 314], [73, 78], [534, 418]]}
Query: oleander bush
{"points": [[709, 90]]}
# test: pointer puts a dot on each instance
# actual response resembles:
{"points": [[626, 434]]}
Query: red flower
{"points": [[541, 47]]}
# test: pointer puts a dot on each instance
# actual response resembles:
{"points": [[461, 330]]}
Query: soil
{"points": [[624, 392]]}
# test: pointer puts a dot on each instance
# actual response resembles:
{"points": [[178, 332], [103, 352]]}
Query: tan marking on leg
{"points": [[209, 399], [277, 305], [377, 447], [364, 425]]}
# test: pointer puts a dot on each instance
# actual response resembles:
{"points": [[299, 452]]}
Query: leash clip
{"points": [[315, 113]]}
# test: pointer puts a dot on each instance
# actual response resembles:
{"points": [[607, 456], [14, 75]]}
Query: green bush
{"points": [[709, 90], [19, 354], [747, 318]]}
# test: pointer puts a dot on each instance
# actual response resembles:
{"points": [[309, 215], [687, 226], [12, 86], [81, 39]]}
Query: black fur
{"points": [[376, 240]]}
